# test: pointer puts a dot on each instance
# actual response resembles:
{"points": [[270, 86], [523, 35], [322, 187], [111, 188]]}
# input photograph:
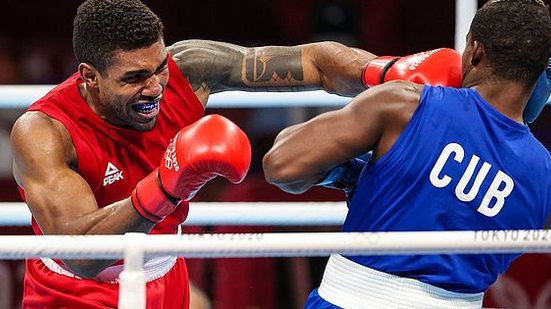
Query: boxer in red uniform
{"points": [[121, 145]]}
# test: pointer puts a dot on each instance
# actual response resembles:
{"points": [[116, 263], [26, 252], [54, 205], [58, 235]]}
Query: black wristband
{"points": [[173, 200], [386, 68]]}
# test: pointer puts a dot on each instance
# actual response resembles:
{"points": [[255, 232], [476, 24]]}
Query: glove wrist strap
{"points": [[151, 201], [386, 68]]}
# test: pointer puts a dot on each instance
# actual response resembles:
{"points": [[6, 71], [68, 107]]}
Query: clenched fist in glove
{"points": [[438, 67], [213, 146]]}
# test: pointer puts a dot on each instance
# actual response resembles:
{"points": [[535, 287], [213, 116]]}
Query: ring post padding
{"points": [[132, 280]]}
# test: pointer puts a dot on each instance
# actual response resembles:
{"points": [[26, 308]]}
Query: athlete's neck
{"points": [[507, 97]]}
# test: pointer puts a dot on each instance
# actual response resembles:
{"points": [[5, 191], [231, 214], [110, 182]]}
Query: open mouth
{"points": [[146, 108]]}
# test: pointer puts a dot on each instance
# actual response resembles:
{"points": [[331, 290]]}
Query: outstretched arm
{"points": [[213, 66], [303, 153]]}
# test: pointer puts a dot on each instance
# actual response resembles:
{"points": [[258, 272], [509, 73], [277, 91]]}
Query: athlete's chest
{"points": [[113, 165]]}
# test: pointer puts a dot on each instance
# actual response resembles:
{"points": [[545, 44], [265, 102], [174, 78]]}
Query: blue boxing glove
{"points": [[539, 97], [345, 175]]}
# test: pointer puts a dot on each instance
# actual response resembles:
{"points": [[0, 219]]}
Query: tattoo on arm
{"points": [[206, 64], [273, 68], [272, 64], [218, 66]]}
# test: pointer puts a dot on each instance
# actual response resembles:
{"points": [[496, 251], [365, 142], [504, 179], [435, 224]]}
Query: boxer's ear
{"points": [[479, 52], [88, 73]]}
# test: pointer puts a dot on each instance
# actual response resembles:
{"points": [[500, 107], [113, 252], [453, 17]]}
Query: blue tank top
{"points": [[458, 165]]}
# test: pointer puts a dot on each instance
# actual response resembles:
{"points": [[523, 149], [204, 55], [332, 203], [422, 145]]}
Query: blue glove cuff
{"points": [[333, 176], [345, 175]]}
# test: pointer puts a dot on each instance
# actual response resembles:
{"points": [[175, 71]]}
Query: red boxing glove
{"points": [[213, 146], [438, 67]]}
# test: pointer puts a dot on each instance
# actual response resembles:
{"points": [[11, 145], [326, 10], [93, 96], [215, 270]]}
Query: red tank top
{"points": [[112, 159]]}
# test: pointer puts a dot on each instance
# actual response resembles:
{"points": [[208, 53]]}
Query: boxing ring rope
{"points": [[234, 213], [133, 247], [20, 97], [275, 244]]}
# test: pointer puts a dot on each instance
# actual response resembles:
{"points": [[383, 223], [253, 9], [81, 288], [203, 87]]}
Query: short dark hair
{"points": [[516, 35], [103, 26]]}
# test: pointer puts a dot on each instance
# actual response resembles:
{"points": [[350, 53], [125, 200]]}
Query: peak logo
{"points": [[112, 174]]}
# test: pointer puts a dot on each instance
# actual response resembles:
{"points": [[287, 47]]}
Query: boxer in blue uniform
{"points": [[443, 159]]}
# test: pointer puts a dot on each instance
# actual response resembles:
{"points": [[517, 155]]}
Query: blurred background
{"points": [[35, 48]]}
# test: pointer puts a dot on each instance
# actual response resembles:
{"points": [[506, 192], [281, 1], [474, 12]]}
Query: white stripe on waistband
{"points": [[153, 269], [350, 285]]}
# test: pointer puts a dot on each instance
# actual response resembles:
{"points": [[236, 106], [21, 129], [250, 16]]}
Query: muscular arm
{"points": [[215, 66], [303, 153], [60, 199]]}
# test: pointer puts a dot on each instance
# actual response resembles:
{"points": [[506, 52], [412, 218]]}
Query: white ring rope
{"points": [[21, 96], [236, 213], [277, 244]]}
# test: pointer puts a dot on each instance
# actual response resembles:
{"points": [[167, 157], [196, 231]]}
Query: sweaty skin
{"points": [[45, 160], [371, 121], [212, 67]]}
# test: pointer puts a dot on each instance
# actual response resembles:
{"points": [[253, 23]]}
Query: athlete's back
{"points": [[458, 165], [445, 159]]}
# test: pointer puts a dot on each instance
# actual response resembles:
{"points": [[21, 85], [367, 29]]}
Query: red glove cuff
{"points": [[151, 201], [374, 73]]}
